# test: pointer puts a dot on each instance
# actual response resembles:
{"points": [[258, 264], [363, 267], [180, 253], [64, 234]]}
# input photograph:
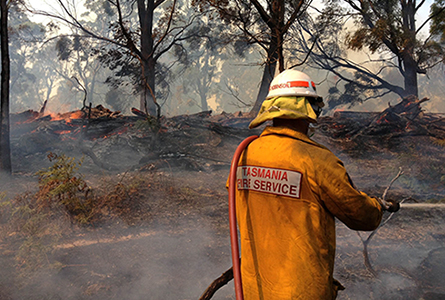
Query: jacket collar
{"points": [[286, 131]]}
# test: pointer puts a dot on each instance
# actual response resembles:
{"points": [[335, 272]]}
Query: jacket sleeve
{"points": [[354, 208]]}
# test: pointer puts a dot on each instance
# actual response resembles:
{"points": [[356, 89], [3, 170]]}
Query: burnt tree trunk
{"points": [[410, 65], [410, 76], [5, 152], [278, 26], [204, 82], [278, 11], [268, 75], [148, 99], [148, 62]]}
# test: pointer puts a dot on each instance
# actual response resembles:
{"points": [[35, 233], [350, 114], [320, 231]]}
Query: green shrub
{"points": [[61, 188]]}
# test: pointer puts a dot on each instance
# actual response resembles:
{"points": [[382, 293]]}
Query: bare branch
{"points": [[366, 241], [234, 94], [76, 24], [130, 43], [392, 181], [264, 16], [168, 27], [294, 15], [420, 5]]}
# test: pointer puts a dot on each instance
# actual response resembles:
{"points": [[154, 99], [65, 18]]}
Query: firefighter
{"points": [[290, 189]]}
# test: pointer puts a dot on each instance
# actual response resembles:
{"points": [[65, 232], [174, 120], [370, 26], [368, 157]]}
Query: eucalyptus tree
{"points": [[262, 23], [143, 31], [197, 78], [40, 63], [396, 48], [78, 63], [198, 70]]}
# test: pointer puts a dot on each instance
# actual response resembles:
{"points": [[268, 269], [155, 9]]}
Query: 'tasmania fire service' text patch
{"points": [[269, 180]]}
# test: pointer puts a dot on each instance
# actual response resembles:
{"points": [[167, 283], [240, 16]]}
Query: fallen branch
{"points": [[390, 184], [217, 284], [139, 113]]}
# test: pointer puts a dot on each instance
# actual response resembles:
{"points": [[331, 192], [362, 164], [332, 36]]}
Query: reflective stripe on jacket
{"points": [[289, 189]]}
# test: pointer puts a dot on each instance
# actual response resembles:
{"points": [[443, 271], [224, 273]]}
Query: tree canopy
{"points": [[262, 23], [142, 31], [384, 30]]}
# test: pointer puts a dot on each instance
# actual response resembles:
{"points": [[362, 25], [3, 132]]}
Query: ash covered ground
{"points": [[174, 239]]}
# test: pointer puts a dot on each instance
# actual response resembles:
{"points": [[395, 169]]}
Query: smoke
{"points": [[406, 253], [151, 263], [179, 255], [179, 261]]}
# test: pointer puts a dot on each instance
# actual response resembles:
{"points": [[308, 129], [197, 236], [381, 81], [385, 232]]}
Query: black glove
{"points": [[392, 206]]}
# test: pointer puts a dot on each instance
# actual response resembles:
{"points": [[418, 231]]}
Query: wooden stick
{"points": [[390, 184], [42, 109], [217, 284]]}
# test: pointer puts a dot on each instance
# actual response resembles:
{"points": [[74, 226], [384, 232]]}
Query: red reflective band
{"points": [[298, 83], [289, 84]]}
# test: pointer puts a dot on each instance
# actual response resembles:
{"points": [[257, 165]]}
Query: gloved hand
{"points": [[392, 206], [389, 205]]}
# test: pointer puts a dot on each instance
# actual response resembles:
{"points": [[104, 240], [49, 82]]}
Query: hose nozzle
{"points": [[389, 205]]}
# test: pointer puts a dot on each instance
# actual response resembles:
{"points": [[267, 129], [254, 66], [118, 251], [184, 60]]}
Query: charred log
{"points": [[404, 119], [355, 115], [139, 113]]}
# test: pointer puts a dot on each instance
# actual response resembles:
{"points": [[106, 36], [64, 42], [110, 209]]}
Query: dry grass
{"points": [[33, 224]]}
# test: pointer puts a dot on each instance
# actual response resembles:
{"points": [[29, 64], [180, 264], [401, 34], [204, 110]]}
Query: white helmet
{"points": [[292, 83]]}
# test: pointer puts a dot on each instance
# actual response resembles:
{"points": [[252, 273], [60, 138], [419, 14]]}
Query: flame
{"points": [[62, 131], [70, 130], [67, 117], [76, 115]]}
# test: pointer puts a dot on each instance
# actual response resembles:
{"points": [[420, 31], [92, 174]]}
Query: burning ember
{"points": [[67, 117], [408, 109], [94, 123]]}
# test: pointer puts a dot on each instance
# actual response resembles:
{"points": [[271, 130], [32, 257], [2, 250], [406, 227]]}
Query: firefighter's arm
{"points": [[354, 208]]}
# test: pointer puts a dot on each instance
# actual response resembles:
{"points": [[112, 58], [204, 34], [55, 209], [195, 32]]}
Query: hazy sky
{"points": [[52, 4]]}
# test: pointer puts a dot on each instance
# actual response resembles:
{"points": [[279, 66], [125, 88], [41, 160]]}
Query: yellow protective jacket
{"points": [[289, 189]]}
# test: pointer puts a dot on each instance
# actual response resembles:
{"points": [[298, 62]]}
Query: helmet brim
{"points": [[285, 108]]}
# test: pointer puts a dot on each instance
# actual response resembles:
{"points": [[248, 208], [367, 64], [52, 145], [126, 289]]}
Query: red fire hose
{"points": [[232, 217]]}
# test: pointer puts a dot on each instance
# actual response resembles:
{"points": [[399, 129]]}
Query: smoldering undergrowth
{"points": [[34, 223]]}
